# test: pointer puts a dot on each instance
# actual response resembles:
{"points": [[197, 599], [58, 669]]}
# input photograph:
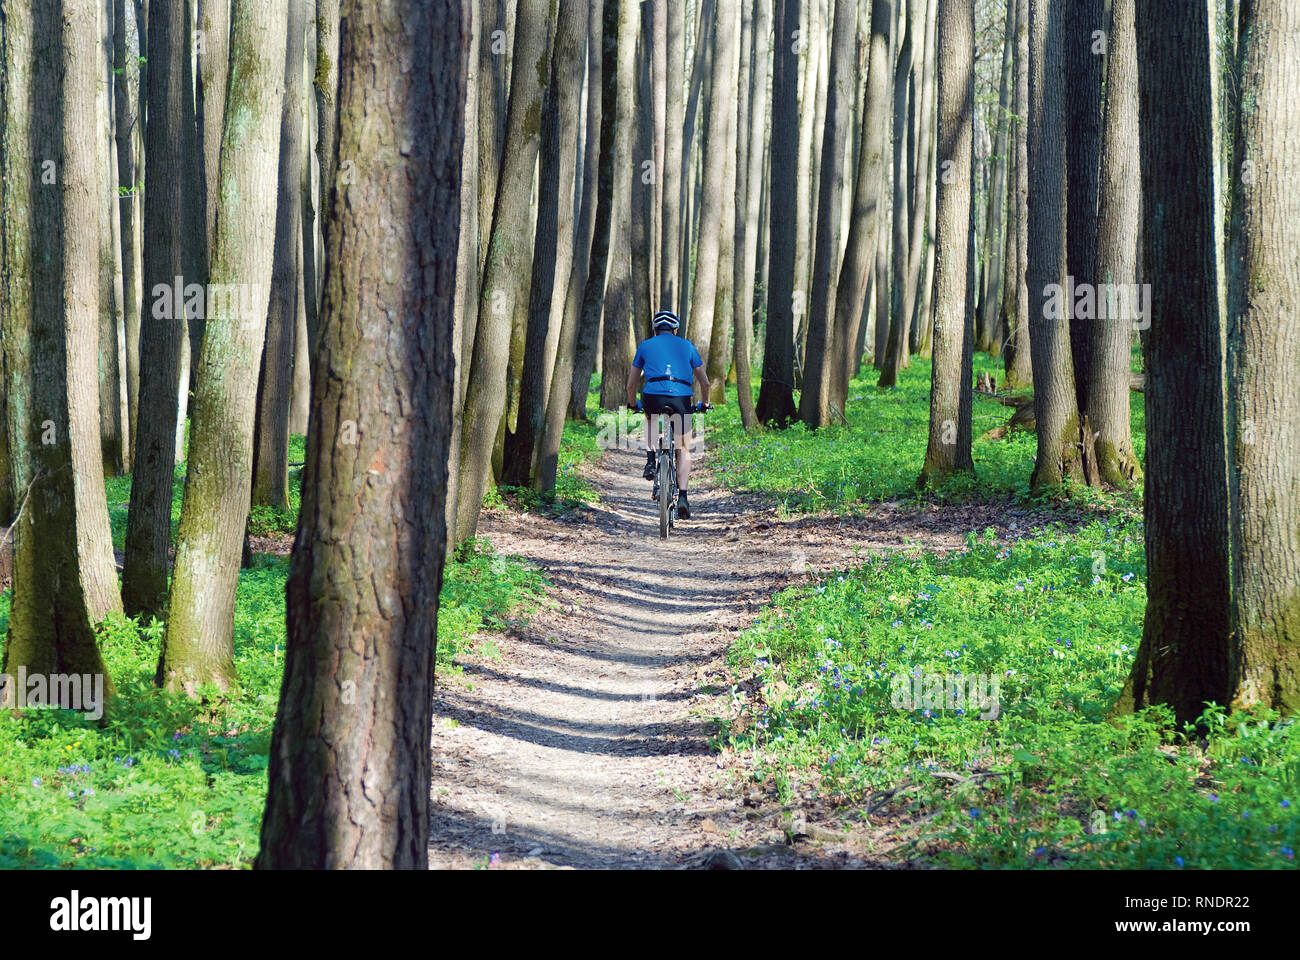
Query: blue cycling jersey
{"points": [[667, 356]]}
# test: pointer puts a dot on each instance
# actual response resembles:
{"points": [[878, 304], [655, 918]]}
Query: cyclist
{"points": [[666, 391]]}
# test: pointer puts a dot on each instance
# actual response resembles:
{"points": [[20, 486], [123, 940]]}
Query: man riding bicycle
{"points": [[666, 391]]}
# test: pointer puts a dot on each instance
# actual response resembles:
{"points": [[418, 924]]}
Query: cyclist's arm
{"points": [[703, 381], [633, 381]]}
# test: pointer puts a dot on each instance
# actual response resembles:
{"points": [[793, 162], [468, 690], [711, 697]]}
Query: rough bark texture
{"points": [[162, 325], [1056, 409], [63, 577], [814, 401], [1183, 660], [949, 448], [350, 766], [1264, 364], [198, 646], [1119, 210], [275, 387], [506, 274]]}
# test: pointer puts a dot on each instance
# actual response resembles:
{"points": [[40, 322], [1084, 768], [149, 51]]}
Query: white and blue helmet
{"points": [[666, 318]]}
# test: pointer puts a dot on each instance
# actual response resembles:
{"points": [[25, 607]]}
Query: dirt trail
{"points": [[585, 742]]}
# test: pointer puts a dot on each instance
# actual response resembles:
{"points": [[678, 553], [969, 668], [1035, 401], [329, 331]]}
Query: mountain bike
{"points": [[665, 484]]}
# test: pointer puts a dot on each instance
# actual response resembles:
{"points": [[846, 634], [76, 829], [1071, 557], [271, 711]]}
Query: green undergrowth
{"points": [[579, 443], [878, 454], [165, 781], [1047, 627]]}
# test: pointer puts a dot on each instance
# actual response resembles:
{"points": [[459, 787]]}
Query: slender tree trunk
{"points": [[325, 84], [805, 212], [949, 449], [705, 285], [775, 396], [1018, 354], [674, 116], [719, 352], [126, 92], [63, 576], [814, 401], [897, 345], [553, 247], [747, 221], [921, 231], [111, 427], [350, 768], [595, 186], [198, 646], [276, 386], [506, 275], [214, 66], [1263, 358], [163, 318], [1119, 210], [986, 321], [1184, 658]]}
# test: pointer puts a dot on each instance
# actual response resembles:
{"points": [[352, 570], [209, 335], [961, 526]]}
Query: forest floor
{"points": [[582, 737]]}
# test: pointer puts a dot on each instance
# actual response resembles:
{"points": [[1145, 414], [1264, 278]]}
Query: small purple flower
{"points": [[494, 860], [1286, 804], [1179, 861], [36, 781], [1214, 798]]}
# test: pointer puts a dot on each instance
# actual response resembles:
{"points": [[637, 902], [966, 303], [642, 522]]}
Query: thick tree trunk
{"points": [[553, 247], [63, 576], [1184, 658], [949, 449], [776, 392], [506, 275], [1119, 210], [814, 401], [350, 768], [1263, 360], [1018, 354], [163, 326]]}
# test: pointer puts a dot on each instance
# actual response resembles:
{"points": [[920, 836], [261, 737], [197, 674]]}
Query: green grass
{"points": [[878, 455], [164, 781], [1051, 780], [578, 444]]}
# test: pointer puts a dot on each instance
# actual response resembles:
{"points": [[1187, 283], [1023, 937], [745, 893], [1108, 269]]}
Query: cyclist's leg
{"points": [[684, 452]]}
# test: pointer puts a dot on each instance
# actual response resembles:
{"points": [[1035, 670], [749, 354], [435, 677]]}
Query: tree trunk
{"points": [[1018, 354], [276, 386], [63, 576], [747, 219], [986, 321], [1263, 358], [897, 345], [1056, 409], [325, 84], [949, 449], [719, 353], [775, 395], [597, 185], [814, 401], [1119, 209], [1183, 660], [163, 326], [674, 115], [921, 231], [126, 92], [198, 646], [214, 67], [805, 200], [350, 768], [111, 426], [721, 102], [553, 247], [506, 275]]}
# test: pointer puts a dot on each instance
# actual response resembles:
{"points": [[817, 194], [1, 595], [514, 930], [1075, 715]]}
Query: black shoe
{"points": [[683, 508], [649, 471]]}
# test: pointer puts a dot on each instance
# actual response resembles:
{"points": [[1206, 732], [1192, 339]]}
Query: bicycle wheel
{"points": [[667, 482]]}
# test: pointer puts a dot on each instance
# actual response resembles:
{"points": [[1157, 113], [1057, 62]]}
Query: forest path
{"points": [[584, 743]]}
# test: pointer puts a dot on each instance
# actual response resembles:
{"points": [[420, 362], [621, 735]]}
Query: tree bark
{"points": [[63, 577], [198, 646], [1119, 210], [350, 768], [949, 448], [1263, 359], [1018, 354], [1183, 660], [674, 116], [897, 345], [506, 274], [776, 392], [126, 92], [163, 320], [986, 321], [111, 425]]}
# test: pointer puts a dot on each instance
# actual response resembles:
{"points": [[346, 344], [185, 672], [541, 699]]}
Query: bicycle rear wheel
{"points": [[667, 481]]}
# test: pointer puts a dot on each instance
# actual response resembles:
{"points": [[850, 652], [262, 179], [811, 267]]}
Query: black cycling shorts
{"points": [[665, 403]]}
